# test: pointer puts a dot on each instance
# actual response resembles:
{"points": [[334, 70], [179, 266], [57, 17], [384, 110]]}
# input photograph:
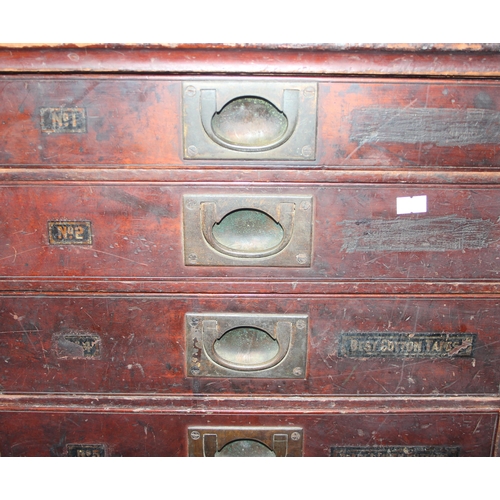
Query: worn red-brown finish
{"points": [[132, 434], [409, 123], [137, 121], [143, 348], [137, 233], [127, 122], [93, 349], [456, 60]]}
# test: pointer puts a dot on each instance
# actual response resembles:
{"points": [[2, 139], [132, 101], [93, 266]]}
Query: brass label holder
{"points": [[63, 120], [86, 450], [70, 232]]}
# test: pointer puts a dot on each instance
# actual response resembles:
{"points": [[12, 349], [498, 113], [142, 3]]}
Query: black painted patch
{"points": [[70, 233], [483, 100], [395, 451], [402, 345], [443, 127], [63, 120], [86, 450], [431, 234], [78, 346]]}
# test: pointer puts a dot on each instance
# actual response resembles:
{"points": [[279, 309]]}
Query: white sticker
{"points": [[411, 204]]}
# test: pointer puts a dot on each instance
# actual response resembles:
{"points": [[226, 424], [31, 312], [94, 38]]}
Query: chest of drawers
{"points": [[249, 250]]}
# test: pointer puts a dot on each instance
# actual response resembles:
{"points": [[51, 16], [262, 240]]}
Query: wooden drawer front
{"points": [[404, 435], [142, 434], [345, 232], [333, 345], [88, 121], [410, 124]]}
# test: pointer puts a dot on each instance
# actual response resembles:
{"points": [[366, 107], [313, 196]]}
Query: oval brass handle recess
{"points": [[208, 108], [282, 334], [285, 216], [242, 448]]}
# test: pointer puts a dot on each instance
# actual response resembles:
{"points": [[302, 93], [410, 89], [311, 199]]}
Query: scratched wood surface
{"points": [[455, 60], [110, 121], [162, 404], [355, 345], [95, 282], [409, 123], [132, 434], [137, 232]]}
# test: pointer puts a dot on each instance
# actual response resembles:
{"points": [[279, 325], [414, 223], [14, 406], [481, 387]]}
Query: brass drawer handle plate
{"points": [[249, 120], [232, 230], [246, 345], [245, 441]]}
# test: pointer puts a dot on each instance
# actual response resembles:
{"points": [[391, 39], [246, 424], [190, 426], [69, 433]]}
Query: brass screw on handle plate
{"points": [[302, 258]]}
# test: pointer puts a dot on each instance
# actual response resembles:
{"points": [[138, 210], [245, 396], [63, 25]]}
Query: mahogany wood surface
{"points": [[93, 343], [142, 346], [138, 233], [132, 434], [243, 405], [457, 60], [135, 121]]}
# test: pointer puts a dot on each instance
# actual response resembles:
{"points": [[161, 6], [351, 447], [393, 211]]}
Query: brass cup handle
{"points": [[282, 334], [290, 108], [285, 216]]}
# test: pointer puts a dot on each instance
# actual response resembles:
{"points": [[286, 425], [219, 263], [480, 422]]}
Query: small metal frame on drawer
{"points": [[246, 345], [86, 450], [245, 441], [249, 120], [241, 230]]}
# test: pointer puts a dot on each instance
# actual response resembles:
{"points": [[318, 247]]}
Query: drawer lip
{"points": [[341, 59], [47, 285], [307, 405], [17, 175]]}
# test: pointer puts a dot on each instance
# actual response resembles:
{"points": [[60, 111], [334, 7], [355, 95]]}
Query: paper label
{"points": [[411, 205]]}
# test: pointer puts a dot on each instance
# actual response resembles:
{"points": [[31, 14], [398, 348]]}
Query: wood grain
{"points": [[402, 306], [142, 345], [458, 60]]}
